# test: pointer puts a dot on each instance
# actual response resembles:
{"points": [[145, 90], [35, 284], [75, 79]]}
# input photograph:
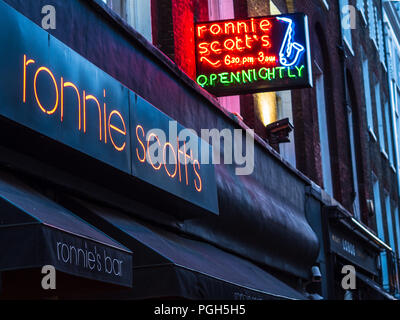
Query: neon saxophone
{"points": [[290, 51]]}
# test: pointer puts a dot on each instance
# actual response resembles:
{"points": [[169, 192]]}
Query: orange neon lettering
{"points": [[70, 85], [26, 63], [143, 159], [265, 25], [214, 64], [232, 46], [266, 42], [252, 25], [200, 186], [121, 131], [179, 160], [35, 89], [185, 155], [93, 98], [148, 148], [270, 59], [248, 41], [165, 162], [215, 29], [216, 50], [105, 117], [239, 40], [203, 46], [242, 24], [229, 25], [199, 30]]}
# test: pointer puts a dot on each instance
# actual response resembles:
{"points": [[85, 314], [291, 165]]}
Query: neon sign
{"points": [[51, 89], [110, 124], [174, 160], [253, 55], [290, 50]]}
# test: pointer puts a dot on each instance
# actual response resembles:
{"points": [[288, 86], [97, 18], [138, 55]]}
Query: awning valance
{"points": [[35, 231], [167, 264]]}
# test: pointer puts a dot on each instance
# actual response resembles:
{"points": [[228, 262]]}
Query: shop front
{"points": [[352, 244], [81, 190], [349, 256]]}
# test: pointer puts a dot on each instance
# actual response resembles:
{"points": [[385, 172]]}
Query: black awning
{"points": [[35, 231], [376, 287], [170, 265]]}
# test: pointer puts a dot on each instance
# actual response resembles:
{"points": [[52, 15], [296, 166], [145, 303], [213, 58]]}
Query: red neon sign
{"points": [[253, 55]]}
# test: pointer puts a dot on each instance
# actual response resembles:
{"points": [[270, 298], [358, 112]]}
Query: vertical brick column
{"points": [[183, 19]]}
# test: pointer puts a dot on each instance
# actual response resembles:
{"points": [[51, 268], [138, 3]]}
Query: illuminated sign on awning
{"points": [[253, 55], [51, 89]]}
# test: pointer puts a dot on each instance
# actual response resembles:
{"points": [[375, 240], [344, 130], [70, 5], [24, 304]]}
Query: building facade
{"points": [[344, 138], [322, 202]]}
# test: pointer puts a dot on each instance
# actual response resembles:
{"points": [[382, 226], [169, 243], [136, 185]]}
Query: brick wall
{"points": [[369, 155]]}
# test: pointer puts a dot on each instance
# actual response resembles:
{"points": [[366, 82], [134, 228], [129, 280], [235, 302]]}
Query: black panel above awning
{"points": [[35, 231], [170, 265]]}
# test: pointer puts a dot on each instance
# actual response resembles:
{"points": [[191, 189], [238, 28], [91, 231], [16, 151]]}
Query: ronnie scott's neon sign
{"points": [[253, 55]]}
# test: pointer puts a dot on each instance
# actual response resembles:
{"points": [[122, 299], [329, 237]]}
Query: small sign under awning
{"points": [[36, 231]]}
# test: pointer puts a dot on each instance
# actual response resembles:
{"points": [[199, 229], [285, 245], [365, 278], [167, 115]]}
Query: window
{"points": [[397, 114], [397, 226], [379, 116], [284, 103], [389, 220], [390, 230], [274, 106], [361, 8], [380, 230], [396, 123], [136, 13], [378, 208], [389, 223], [356, 203], [389, 134], [397, 222], [220, 9], [323, 135], [390, 55], [367, 92], [379, 38], [371, 21]]}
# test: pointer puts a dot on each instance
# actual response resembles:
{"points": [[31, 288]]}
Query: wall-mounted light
{"points": [[278, 132]]}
